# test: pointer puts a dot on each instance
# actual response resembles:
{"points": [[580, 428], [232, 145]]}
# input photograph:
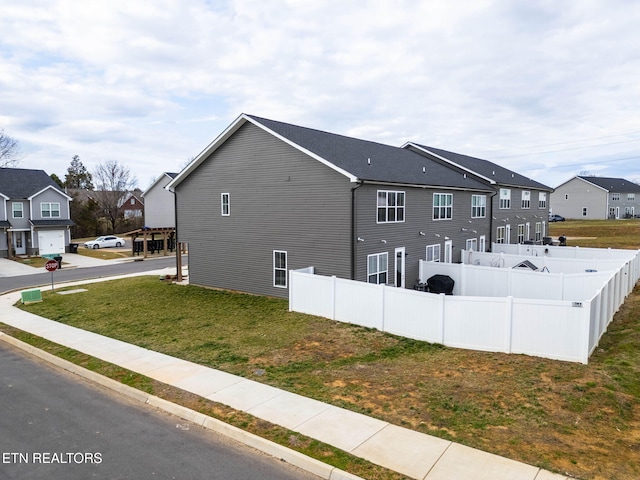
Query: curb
{"points": [[275, 450]]}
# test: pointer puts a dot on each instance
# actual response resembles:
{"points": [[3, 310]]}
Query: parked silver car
{"points": [[105, 242]]}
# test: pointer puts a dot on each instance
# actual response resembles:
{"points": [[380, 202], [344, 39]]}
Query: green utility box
{"points": [[31, 296]]}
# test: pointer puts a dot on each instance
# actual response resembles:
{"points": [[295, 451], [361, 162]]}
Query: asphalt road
{"points": [[54, 425], [72, 274]]}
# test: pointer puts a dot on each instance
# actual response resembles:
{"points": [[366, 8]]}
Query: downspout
{"points": [[354, 239], [491, 217], [178, 245]]}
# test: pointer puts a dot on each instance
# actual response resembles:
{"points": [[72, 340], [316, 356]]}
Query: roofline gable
{"points": [[47, 188], [228, 132], [414, 145], [157, 180]]}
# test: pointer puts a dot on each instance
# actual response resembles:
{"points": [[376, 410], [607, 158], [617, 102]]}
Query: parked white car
{"points": [[105, 242]]}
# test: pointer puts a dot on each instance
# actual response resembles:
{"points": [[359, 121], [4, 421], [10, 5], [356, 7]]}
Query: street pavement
{"points": [[411, 453]]}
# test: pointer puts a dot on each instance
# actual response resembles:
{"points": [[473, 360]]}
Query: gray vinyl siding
{"points": [[19, 223], [280, 199], [159, 206], [418, 218], [570, 198], [51, 196], [509, 216]]}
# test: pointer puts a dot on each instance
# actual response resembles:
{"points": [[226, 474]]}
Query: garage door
{"points": [[51, 242]]}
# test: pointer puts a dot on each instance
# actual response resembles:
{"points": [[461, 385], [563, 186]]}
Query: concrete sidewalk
{"points": [[411, 453]]}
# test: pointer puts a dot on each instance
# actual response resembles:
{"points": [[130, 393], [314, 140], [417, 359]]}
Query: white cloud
{"points": [[151, 83]]}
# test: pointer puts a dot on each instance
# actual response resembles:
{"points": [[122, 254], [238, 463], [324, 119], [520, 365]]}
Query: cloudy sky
{"points": [[550, 89]]}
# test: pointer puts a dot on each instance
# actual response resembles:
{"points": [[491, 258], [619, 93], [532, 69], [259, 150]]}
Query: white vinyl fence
{"points": [[566, 326]]}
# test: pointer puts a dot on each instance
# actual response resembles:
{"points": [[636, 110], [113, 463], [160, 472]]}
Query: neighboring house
{"points": [[592, 198], [519, 209], [131, 205], [266, 197], [159, 203], [34, 214]]}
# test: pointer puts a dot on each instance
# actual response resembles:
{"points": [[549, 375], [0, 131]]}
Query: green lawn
{"points": [[580, 419]]}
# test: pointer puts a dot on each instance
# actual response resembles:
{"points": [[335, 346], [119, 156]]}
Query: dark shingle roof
{"points": [[51, 223], [23, 183], [618, 185], [371, 161], [490, 170]]}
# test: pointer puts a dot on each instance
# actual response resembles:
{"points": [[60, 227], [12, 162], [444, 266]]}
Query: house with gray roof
{"points": [[159, 203], [266, 197], [519, 207], [34, 214], [593, 198]]}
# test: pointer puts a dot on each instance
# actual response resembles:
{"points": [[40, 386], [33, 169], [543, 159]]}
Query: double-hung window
{"points": [[225, 206], [500, 234], [377, 267], [542, 199], [526, 199], [631, 197], [505, 198], [478, 206], [433, 253], [471, 244], [280, 268], [17, 210], [50, 210], [615, 197], [390, 206], [442, 206]]}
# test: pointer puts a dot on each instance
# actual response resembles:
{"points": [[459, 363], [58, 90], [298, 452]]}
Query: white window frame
{"points": [[433, 253], [381, 268], [471, 244], [14, 210], [542, 199], [501, 234], [50, 209], [520, 233], [478, 206], [278, 268], [538, 231], [445, 211], [390, 203], [615, 197], [482, 243], [631, 197], [225, 204], [505, 199], [525, 202]]}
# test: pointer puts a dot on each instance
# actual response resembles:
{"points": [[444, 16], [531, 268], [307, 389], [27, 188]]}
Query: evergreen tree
{"points": [[77, 175]]}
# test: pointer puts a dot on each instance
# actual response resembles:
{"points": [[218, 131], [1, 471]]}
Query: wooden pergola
{"points": [[147, 234]]}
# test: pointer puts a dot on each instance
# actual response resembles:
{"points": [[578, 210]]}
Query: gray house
{"points": [[519, 207], [159, 203], [593, 198], [34, 214], [266, 197]]}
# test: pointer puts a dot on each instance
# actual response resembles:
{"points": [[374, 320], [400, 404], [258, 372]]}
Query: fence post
{"points": [[585, 325], [442, 318], [333, 297], [383, 288], [509, 325], [561, 286], [463, 279]]}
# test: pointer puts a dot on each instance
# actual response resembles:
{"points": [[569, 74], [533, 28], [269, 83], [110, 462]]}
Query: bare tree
{"points": [[9, 150], [112, 181]]}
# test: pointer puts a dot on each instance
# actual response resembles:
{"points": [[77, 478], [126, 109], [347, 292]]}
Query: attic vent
{"points": [[512, 175], [424, 169], [465, 175], [368, 161], [493, 173]]}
